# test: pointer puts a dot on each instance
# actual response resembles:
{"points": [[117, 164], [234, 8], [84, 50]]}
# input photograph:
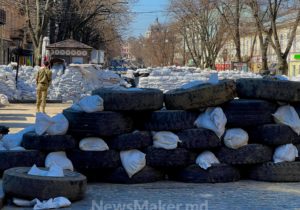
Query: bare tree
{"points": [[159, 47], [231, 11], [38, 13], [203, 29], [281, 7], [264, 32]]}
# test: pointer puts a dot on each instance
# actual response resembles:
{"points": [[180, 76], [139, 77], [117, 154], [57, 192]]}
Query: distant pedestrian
{"points": [[43, 81]]}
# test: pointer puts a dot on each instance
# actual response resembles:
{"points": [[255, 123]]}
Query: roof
{"points": [[69, 43]]}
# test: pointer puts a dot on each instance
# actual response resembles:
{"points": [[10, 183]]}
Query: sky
{"points": [[146, 12]]}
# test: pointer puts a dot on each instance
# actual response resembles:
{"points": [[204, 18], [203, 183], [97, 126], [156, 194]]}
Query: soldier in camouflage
{"points": [[43, 81]]}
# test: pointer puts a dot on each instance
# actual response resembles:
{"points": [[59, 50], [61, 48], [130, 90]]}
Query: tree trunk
{"points": [[283, 66], [264, 60], [38, 54]]}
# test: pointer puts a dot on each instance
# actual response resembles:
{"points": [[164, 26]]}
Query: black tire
{"points": [[98, 123], [146, 175], [130, 100], [94, 160], [136, 140], [272, 134], [200, 96], [17, 183], [267, 89], [199, 139], [27, 158], [48, 143], [167, 120], [249, 154], [4, 130], [246, 113], [298, 148], [276, 172], [216, 174], [167, 159]]}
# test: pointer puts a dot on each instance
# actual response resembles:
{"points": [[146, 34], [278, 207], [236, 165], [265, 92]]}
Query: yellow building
{"points": [[251, 53]]}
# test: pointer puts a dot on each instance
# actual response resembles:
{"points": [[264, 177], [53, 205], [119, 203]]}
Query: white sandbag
{"points": [[4, 100], [11, 141], [2, 147], [60, 159], [58, 202], [54, 171], [42, 123], [213, 78], [133, 161], [76, 107], [206, 159], [212, 119], [192, 84], [287, 115], [24, 203], [35, 171], [285, 153], [93, 144], [59, 125], [91, 104], [18, 149], [166, 140], [236, 138]]}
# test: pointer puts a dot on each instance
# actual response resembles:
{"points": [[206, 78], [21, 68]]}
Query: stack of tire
{"points": [[267, 95], [130, 117], [17, 183], [18, 158]]}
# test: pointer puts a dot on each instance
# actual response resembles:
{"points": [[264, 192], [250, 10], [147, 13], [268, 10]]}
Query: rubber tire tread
{"points": [[49, 143], [199, 139], [249, 154], [219, 173], [201, 96], [98, 123], [17, 183], [131, 100], [136, 140]]}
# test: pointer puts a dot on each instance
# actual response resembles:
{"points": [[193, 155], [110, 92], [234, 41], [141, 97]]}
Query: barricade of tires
{"points": [[132, 117], [142, 109]]}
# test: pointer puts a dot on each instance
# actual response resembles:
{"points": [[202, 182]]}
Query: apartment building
{"points": [[13, 34], [251, 53]]}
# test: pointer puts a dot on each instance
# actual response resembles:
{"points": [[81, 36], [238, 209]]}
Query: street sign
{"points": [[297, 56]]}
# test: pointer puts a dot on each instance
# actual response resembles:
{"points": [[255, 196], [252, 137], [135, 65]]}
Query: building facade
{"points": [[251, 53], [13, 35]]}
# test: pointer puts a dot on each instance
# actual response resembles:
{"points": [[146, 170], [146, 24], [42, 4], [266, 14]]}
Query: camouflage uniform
{"points": [[43, 81]]}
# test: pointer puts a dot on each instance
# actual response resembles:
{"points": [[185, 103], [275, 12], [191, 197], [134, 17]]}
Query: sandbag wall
{"points": [[131, 118]]}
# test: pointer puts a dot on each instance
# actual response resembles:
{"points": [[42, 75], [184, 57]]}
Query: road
{"points": [[19, 116]]}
